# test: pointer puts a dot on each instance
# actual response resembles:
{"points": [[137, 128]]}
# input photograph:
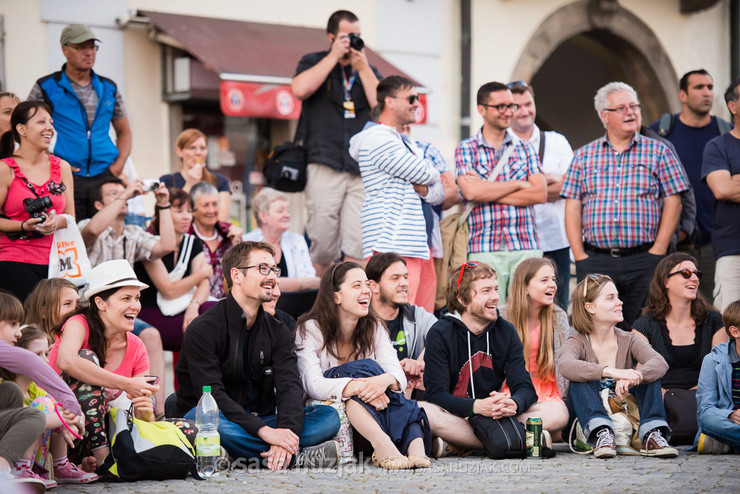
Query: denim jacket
{"points": [[714, 391]]}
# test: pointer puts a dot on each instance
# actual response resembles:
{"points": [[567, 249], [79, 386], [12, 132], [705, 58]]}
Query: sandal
{"points": [[392, 462], [420, 461]]}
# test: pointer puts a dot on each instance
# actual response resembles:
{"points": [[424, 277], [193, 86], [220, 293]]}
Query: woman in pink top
{"points": [[99, 357], [35, 189], [543, 328]]}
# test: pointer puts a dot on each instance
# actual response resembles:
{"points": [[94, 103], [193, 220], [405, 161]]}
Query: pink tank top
{"points": [[33, 250]]}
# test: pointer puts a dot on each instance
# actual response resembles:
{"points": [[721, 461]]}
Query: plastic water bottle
{"points": [[208, 441]]}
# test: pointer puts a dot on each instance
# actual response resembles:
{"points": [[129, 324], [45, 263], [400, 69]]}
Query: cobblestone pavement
{"points": [[566, 473]]}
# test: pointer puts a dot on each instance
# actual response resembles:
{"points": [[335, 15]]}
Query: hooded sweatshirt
{"points": [[392, 216], [461, 366]]}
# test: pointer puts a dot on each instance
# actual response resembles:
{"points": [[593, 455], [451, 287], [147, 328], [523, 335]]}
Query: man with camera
{"points": [[337, 88]]}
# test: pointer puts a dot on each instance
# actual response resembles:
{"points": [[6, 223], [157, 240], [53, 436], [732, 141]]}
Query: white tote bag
{"points": [[68, 255], [174, 306]]}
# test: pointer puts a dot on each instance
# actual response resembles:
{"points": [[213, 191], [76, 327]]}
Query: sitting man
{"points": [[470, 352], [247, 358], [718, 392]]}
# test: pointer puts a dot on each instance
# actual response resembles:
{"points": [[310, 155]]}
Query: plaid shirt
{"points": [[494, 226], [622, 193], [135, 244]]}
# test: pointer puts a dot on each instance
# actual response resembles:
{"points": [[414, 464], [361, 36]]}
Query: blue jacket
{"points": [[85, 145], [714, 391]]}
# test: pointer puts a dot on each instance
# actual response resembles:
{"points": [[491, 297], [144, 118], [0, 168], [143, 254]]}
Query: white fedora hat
{"points": [[111, 274]]}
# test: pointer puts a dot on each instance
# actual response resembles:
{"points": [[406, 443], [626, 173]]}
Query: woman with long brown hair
{"points": [[341, 328], [543, 327]]}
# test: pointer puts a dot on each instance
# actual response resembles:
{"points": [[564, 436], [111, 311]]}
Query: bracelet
{"points": [[64, 423], [160, 208], [23, 223], [473, 407]]}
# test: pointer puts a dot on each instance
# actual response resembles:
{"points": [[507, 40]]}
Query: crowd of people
{"points": [[363, 353]]}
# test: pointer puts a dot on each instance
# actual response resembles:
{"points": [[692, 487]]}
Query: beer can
{"points": [[534, 437]]}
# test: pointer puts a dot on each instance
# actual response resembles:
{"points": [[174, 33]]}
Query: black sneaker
{"points": [[324, 455]]}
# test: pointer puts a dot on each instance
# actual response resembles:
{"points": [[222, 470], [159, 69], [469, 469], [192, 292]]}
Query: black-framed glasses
{"points": [[621, 110], [686, 273], [411, 99], [264, 269], [503, 108], [469, 264]]}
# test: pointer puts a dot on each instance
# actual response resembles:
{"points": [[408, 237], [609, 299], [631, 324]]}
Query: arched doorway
{"points": [[583, 46]]}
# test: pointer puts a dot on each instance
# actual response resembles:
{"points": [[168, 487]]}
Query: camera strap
{"points": [[30, 187]]}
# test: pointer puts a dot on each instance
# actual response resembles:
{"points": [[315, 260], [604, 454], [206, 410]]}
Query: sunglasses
{"points": [[470, 264], [411, 99], [593, 277], [686, 273]]}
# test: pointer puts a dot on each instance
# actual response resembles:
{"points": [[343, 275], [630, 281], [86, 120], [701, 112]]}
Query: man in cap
{"points": [[84, 105]]}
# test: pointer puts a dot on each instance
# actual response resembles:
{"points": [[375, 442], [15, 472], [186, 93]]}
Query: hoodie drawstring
{"points": [[470, 357]]}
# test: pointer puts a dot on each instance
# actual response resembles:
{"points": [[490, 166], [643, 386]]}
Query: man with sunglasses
{"points": [[397, 179], [623, 200], [502, 226], [84, 106], [247, 358]]}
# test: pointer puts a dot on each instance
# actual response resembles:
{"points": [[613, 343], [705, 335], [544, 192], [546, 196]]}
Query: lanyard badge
{"points": [[348, 104]]}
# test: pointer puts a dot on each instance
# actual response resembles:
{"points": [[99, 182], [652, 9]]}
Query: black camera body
{"points": [[355, 42], [37, 207]]}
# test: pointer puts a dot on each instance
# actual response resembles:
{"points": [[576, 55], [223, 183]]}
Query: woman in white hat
{"points": [[99, 357]]}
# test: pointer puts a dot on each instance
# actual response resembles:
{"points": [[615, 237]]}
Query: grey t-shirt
{"points": [[89, 99]]}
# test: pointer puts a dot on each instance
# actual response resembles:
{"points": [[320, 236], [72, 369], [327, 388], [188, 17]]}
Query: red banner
{"points": [[252, 99]]}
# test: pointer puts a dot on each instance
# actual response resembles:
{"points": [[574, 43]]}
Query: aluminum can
{"points": [[534, 437]]}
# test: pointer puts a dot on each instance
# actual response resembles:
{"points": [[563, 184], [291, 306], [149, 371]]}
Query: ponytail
{"points": [[7, 145]]}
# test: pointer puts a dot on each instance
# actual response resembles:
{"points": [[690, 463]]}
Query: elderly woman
{"points": [[216, 236], [192, 149], [30, 176], [272, 212]]}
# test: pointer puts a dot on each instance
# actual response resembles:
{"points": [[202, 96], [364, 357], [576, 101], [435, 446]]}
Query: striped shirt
{"points": [[736, 385], [494, 226], [392, 217], [622, 193]]}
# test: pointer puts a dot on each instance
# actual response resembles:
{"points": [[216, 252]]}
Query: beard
{"points": [[386, 298]]}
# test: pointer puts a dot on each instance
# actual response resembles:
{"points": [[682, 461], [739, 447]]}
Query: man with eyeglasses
{"points": [[502, 226], [623, 200], [84, 106], [397, 179], [555, 155], [247, 358]]}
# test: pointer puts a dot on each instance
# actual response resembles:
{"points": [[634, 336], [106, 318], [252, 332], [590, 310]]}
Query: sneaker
{"points": [[605, 446], [655, 444], [546, 440], [710, 446], [28, 474], [69, 473], [438, 447], [325, 455]]}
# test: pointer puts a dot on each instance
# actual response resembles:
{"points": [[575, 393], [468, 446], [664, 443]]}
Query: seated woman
{"points": [[342, 328], [601, 350], [50, 302], [192, 149], [543, 327], [682, 327], [217, 236], [181, 278], [96, 354]]}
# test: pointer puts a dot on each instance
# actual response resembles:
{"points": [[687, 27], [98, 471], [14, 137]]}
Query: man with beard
{"points": [[247, 358], [407, 324]]}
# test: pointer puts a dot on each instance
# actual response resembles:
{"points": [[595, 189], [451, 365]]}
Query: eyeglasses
{"points": [[686, 273], [621, 110], [264, 269], [411, 99], [470, 264], [502, 108], [84, 47], [593, 277]]}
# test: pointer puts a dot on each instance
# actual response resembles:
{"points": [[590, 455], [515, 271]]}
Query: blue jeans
{"points": [[139, 326], [561, 258], [320, 423], [722, 429], [584, 398]]}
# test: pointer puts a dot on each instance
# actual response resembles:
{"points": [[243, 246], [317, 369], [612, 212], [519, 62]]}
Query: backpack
{"points": [[141, 450], [668, 120], [286, 169]]}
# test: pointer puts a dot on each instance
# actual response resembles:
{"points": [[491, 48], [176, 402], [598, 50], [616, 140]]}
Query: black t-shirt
{"points": [[723, 153], [398, 337]]}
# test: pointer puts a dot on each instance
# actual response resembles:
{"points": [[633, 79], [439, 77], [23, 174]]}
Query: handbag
{"points": [[456, 236], [680, 411], [174, 306], [344, 435], [68, 254], [625, 415], [501, 438], [286, 167]]}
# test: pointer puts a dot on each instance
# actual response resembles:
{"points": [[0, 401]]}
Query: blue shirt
{"points": [[723, 153]]}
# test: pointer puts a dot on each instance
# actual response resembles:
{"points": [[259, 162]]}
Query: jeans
{"points": [[561, 258], [721, 428], [320, 423], [584, 398]]}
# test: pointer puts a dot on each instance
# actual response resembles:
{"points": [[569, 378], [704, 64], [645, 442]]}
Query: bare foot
{"points": [[89, 464]]}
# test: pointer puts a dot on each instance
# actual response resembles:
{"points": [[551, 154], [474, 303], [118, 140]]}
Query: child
{"points": [[718, 392], [50, 302]]}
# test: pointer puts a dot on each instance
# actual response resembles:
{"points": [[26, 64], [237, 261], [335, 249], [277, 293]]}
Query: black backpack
{"points": [[285, 168], [668, 120]]}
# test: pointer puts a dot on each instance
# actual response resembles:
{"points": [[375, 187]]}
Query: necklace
{"points": [[203, 237]]}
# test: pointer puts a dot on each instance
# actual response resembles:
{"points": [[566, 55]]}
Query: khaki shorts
{"points": [[333, 203]]}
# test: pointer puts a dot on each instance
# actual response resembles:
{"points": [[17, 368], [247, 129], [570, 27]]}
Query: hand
{"points": [[358, 60], [73, 421], [735, 416], [195, 173], [49, 225], [414, 370], [622, 388], [143, 407], [284, 438], [162, 195], [340, 47], [67, 436], [580, 257], [134, 188], [375, 387], [353, 388], [634, 377], [74, 168], [503, 406], [235, 233], [139, 386], [191, 313], [422, 190], [470, 177], [657, 251], [277, 457]]}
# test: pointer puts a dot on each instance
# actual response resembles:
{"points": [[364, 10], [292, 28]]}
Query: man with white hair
{"points": [[622, 200]]}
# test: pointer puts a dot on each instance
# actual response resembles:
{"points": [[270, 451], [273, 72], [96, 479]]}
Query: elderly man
{"points": [[622, 200]]}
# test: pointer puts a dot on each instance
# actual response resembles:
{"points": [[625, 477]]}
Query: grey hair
{"points": [[601, 100], [202, 188], [263, 199]]}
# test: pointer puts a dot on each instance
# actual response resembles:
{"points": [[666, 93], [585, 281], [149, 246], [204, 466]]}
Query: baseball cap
{"points": [[76, 33]]}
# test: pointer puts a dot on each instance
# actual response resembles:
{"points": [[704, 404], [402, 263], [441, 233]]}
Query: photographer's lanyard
{"points": [[349, 105]]}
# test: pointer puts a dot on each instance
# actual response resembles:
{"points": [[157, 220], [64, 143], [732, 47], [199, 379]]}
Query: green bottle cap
{"points": [[206, 389]]}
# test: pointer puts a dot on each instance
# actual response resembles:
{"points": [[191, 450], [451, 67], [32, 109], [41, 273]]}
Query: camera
{"points": [[356, 42], [150, 184], [37, 207]]}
